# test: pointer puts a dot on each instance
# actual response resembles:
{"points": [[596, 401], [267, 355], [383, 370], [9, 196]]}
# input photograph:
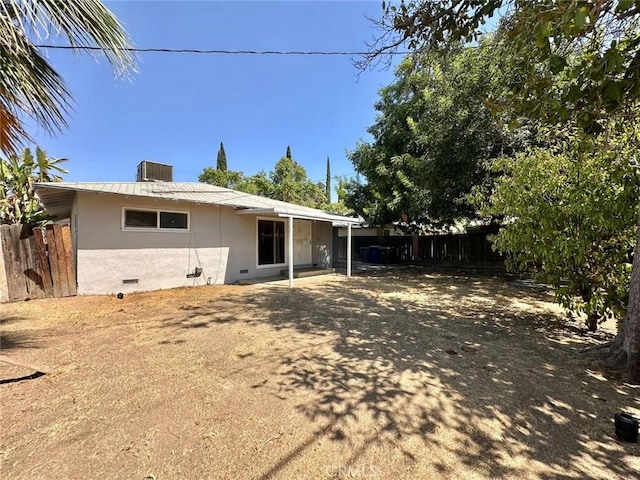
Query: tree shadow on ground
{"points": [[17, 340], [474, 377], [12, 341]]}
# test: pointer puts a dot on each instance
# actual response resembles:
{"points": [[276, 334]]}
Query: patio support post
{"points": [[290, 252], [348, 249]]}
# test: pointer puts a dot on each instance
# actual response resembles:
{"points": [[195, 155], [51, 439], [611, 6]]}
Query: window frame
{"points": [[286, 242], [157, 228]]}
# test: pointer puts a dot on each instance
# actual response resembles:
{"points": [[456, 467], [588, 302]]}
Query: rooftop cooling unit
{"points": [[154, 172]]}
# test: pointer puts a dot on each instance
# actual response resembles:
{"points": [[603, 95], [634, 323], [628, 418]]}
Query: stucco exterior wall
{"points": [[240, 232], [219, 240]]}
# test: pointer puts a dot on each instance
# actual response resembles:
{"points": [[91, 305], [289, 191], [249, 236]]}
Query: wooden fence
{"points": [[473, 247], [468, 247], [36, 263]]}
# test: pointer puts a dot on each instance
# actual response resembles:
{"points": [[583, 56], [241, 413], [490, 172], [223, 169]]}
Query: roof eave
{"points": [[302, 215], [57, 202]]}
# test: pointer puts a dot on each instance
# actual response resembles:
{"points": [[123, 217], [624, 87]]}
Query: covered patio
{"points": [[291, 215]]}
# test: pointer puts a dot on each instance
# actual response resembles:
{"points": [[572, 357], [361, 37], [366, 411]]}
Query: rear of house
{"points": [[142, 236]]}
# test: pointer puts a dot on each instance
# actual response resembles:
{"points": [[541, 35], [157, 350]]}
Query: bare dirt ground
{"points": [[394, 375]]}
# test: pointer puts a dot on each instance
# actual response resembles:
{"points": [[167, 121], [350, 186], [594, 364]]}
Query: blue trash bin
{"points": [[374, 254]]}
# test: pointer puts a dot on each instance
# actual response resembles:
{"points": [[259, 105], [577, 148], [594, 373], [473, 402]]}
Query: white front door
{"points": [[302, 242]]}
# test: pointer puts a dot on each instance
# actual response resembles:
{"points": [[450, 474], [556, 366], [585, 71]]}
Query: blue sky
{"points": [[179, 107]]}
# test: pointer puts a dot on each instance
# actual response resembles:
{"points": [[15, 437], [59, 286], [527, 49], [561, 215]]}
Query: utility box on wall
{"points": [[154, 172]]}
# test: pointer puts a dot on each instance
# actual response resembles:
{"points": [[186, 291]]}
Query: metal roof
{"points": [[57, 198]]}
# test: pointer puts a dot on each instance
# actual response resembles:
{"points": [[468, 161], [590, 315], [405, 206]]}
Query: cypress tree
{"points": [[288, 155], [328, 184], [222, 159]]}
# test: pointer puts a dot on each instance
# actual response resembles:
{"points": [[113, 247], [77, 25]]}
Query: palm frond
{"points": [[83, 23], [12, 133], [29, 86]]}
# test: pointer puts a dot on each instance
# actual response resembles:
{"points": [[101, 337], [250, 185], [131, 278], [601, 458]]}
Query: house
{"points": [[139, 236]]}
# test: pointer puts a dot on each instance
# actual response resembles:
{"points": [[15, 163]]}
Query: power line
{"points": [[217, 51]]}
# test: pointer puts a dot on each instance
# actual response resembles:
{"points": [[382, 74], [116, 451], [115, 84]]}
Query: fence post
{"points": [[28, 267], [17, 285], [36, 272], [53, 261], [60, 252], [42, 261], [68, 259]]}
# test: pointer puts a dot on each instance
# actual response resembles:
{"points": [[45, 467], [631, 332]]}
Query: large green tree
{"points": [[291, 184], [288, 182], [232, 179], [29, 85], [570, 216], [538, 39], [19, 202], [432, 137], [258, 184], [577, 61]]}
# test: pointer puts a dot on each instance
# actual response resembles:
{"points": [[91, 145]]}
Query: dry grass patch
{"points": [[395, 375]]}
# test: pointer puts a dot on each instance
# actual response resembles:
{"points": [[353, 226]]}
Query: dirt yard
{"points": [[387, 376]]}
